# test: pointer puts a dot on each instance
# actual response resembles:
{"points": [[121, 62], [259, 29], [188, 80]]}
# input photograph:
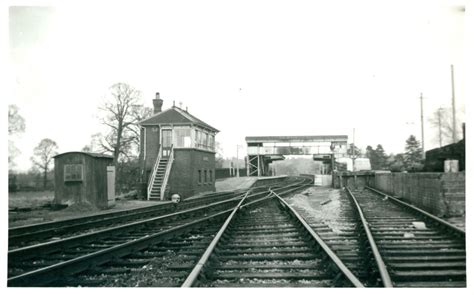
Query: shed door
{"points": [[166, 142], [111, 185]]}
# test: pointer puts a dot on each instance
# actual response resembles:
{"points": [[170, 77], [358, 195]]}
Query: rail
{"points": [[167, 174], [50, 229], [153, 173], [45, 275], [446, 224], [43, 231], [198, 269], [382, 268], [194, 275], [335, 259], [51, 246], [54, 225]]}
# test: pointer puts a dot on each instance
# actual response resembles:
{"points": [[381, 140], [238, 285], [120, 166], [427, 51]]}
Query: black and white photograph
{"points": [[236, 144]]}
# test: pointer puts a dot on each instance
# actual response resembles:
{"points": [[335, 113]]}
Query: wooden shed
{"points": [[82, 177]]}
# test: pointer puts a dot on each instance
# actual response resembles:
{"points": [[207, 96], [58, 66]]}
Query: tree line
{"points": [[119, 112], [411, 160]]}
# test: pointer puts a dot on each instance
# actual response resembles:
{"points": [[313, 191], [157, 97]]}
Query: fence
{"points": [[226, 172]]}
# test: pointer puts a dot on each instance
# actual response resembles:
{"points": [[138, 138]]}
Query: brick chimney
{"points": [[157, 104]]}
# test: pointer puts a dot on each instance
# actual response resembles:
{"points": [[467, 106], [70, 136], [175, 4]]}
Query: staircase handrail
{"points": [[153, 173], [167, 174]]}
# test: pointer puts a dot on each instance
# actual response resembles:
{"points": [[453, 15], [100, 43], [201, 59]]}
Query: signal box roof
{"points": [[175, 115]]}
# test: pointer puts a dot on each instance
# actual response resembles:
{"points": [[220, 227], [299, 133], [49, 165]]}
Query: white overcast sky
{"points": [[304, 67]]}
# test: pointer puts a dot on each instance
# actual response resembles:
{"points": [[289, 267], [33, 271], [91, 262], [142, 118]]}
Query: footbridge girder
{"points": [[262, 150]]}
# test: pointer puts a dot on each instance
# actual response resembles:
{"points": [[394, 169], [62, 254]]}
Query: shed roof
{"points": [[94, 155], [175, 115]]}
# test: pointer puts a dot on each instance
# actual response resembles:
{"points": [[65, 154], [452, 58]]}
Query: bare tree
{"points": [[140, 114], [95, 144], [16, 125], [219, 156], [442, 120], [121, 113], [43, 155]]}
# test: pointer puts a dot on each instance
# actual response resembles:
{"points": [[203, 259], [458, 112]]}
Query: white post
{"points": [[110, 186], [238, 172], [353, 149], [454, 104], [422, 127]]}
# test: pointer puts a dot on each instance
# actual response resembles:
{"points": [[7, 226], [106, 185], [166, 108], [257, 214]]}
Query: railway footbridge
{"points": [[263, 150]]}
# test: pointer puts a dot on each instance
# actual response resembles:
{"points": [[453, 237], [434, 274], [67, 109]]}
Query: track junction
{"points": [[245, 239]]}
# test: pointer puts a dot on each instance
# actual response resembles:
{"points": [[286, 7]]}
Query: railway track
{"points": [[331, 214], [413, 248], [262, 245], [164, 264], [23, 236], [258, 241], [44, 264], [49, 231]]}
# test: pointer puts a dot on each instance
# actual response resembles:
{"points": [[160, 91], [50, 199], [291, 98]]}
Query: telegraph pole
{"points": [[422, 127], [439, 127], [353, 147], [454, 104], [238, 172]]}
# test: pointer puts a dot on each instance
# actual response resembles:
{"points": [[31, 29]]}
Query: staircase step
{"points": [[158, 181]]}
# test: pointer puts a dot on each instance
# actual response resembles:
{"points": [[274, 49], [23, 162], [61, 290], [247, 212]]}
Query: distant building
{"points": [[177, 153], [362, 164], [348, 164], [434, 159]]}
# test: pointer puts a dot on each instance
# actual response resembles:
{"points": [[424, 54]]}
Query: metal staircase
{"points": [[155, 193], [158, 186]]}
